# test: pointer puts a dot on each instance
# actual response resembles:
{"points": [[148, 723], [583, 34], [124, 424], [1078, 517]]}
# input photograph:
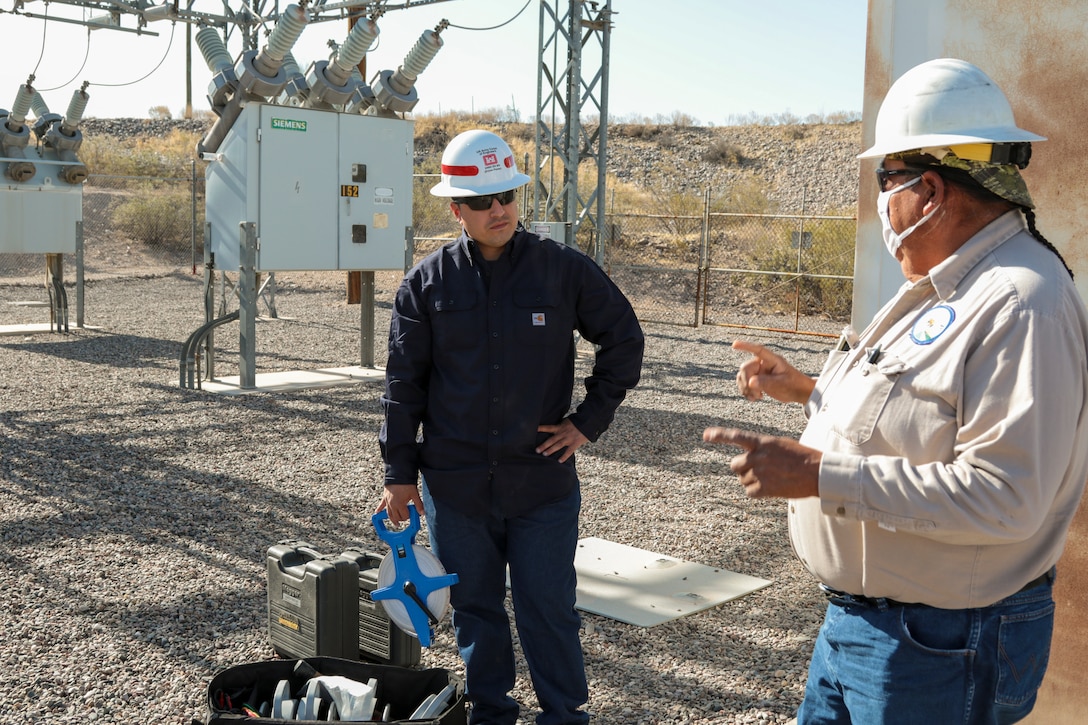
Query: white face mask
{"points": [[892, 239]]}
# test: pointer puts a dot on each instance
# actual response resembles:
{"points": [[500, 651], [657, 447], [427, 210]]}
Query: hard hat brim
{"points": [[938, 140], [446, 189]]}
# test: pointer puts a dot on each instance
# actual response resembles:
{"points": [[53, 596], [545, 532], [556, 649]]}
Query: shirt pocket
{"points": [[456, 321], [861, 399], [537, 318]]}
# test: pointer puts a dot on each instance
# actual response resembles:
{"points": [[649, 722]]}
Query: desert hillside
{"points": [[809, 165]]}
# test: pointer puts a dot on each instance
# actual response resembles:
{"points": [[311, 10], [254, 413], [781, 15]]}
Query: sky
{"points": [[713, 61]]}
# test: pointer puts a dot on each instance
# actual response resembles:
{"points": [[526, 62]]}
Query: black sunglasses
{"points": [[483, 203], [883, 175]]}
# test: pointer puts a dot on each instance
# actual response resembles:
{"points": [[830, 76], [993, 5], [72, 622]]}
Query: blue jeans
{"points": [[539, 548], [887, 663]]}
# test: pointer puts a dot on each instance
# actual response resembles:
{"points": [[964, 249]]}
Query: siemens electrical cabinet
{"points": [[327, 190]]}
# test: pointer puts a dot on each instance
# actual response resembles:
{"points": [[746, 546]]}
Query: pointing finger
{"points": [[731, 436], [746, 346], [754, 348]]}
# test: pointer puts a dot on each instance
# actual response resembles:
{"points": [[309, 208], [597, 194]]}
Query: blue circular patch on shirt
{"points": [[931, 324]]}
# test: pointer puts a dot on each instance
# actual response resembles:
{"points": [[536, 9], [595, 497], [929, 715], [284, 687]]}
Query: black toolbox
{"points": [[380, 639], [313, 602]]}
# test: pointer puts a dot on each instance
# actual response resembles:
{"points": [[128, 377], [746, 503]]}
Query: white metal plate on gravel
{"points": [[294, 380], [643, 588], [28, 329]]}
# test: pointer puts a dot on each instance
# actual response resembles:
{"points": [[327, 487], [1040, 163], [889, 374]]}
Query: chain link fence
{"points": [[779, 272], [757, 271], [783, 272], [656, 260]]}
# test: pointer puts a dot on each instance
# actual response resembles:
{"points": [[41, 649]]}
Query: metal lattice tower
{"points": [[573, 78]]}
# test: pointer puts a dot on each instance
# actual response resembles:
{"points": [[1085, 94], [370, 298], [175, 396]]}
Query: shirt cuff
{"points": [[840, 484]]}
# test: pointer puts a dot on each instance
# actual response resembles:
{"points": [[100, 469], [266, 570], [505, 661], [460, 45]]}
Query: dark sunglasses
{"points": [[483, 203], [883, 175]]}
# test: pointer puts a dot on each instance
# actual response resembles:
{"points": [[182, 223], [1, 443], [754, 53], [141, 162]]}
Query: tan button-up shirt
{"points": [[954, 456]]}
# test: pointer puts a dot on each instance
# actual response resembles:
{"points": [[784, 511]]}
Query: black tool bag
{"points": [[244, 691]]}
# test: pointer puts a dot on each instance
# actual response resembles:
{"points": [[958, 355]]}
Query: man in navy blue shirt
{"points": [[481, 359]]}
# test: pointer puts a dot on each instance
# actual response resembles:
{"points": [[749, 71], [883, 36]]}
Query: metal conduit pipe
{"points": [[187, 367]]}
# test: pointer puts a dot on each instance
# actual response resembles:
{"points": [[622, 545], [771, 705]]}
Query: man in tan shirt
{"points": [[946, 448]]}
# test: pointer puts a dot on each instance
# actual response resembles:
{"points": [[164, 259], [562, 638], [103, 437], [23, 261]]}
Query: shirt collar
{"points": [[947, 275], [513, 247]]}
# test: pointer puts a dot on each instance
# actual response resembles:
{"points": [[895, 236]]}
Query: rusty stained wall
{"points": [[1037, 52]]}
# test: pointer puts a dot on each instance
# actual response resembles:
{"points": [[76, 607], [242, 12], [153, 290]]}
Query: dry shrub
{"points": [[156, 218], [170, 156], [723, 152]]}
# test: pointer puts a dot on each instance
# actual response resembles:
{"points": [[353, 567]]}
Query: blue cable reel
{"points": [[413, 586]]}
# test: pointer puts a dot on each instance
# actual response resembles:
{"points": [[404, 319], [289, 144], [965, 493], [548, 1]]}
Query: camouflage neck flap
{"points": [[1003, 180]]}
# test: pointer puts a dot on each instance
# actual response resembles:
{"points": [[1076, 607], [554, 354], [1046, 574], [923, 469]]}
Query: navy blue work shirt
{"points": [[481, 353]]}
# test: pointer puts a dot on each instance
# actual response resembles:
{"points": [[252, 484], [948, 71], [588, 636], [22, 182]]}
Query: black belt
{"points": [[838, 597]]}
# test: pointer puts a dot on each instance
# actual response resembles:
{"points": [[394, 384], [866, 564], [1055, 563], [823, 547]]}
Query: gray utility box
{"points": [[39, 215], [327, 190]]}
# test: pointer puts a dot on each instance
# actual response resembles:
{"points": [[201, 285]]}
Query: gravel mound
{"points": [[130, 127], [135, 515], [804, 167]]}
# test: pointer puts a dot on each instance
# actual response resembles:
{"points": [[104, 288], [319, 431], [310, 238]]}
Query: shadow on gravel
{"points": [[106, 349], [677, 435], [166, 481], [679, 683]]}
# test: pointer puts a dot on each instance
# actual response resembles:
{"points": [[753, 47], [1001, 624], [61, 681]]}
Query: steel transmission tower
{"points": [[573, 80]]}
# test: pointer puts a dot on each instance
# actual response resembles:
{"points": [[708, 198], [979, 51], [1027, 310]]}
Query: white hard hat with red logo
{"points": [[476, 163]]}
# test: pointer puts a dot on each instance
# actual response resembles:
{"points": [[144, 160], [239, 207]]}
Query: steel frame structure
{"points": [[567, 85], [248, 18]]}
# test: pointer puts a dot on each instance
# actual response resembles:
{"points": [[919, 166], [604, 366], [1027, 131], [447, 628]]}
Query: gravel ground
{"points": [[136, 515]]}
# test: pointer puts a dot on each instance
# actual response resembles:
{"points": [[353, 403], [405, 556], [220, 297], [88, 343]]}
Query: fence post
{"points": [[247, 306], [798, 283], [192, 209], [704, 257], [79, 274]]}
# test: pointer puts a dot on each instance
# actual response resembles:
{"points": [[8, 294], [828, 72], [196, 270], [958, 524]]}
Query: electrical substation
{"points": [[309, 166]]}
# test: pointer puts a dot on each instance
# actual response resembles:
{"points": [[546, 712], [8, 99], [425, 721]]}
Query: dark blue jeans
{"points": [[891, 664], [539, 548]]}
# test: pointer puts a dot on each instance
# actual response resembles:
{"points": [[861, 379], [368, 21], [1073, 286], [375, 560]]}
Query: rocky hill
{"points": [[811, 167], [804, 166]]}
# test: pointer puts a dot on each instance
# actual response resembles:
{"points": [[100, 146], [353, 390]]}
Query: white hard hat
{"points": [[476, 163], [944, 103]]}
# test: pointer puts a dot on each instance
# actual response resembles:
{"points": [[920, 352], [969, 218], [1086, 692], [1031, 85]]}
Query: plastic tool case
{"points": [[313, 602], [380, 639]]}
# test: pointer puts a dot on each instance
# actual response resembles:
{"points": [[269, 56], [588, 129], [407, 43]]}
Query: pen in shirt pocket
{"points": [[849, 339]]}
